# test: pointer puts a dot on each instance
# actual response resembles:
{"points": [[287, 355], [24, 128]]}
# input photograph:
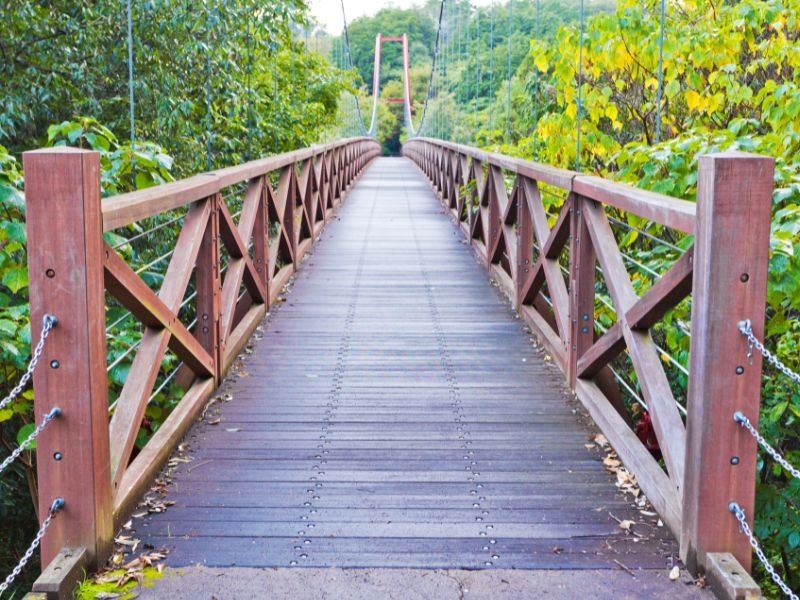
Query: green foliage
{"points": [[227, 76], [108, 585]]}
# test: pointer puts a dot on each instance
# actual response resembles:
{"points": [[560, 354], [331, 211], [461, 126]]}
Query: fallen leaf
{"points": [[626, 524], [674, 573], [233, 429]]}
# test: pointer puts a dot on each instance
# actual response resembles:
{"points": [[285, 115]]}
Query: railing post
{"points": [[65, 270], [208, 284], [734, 199], [581, 288]]}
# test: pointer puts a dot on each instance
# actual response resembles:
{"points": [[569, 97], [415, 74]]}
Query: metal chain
{"points": [[57, 505], [55, 412], [745, 422], [738, 512], [746, 329], [48, 323]]}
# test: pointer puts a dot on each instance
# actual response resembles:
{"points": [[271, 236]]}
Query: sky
{"points": [[329, 12]]}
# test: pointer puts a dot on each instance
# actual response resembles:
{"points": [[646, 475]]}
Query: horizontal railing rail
{"points": [[238, 236], [561, 268]]}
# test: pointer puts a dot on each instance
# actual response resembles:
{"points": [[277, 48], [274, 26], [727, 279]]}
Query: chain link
{"points": [[55, 412], [57, 505], [738, 512], [746, 329], [48, 323], [745, 422]]}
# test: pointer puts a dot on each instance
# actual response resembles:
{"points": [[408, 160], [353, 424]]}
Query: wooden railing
{"points": [[549, 267], [284, 201]]}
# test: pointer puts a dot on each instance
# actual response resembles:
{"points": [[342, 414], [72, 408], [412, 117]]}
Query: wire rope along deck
{"points": [[395, 414]]}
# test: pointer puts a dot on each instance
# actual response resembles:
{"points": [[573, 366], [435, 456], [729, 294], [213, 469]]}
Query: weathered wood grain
{"points": [[395, 414]]}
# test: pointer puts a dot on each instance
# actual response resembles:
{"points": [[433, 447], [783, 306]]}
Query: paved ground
{"points": [[201, 583], [396, 417]]}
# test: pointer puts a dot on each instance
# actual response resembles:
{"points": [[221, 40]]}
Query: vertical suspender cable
{"points": [[467, 69], [306, 106], [460, 63], [276, 117], [249, 109], [660, 73], [448, 72], [292, 88], [443, 54], [358, 118], [491, 62], [477, 67], [508, 91], [130, 92], [208, 87], [580, 90], [536, 88]]}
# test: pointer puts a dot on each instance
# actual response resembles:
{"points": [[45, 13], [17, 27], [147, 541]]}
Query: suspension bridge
{"points": [[396, 363]]}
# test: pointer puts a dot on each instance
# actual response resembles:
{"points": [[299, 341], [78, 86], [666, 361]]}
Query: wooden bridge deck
{"points": [[396, 414]]}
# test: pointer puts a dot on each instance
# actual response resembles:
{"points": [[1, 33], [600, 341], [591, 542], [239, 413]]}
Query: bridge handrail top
{"points": [[666, 210], [123, 209]]}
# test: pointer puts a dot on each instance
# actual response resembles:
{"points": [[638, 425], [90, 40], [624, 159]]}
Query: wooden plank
{"points": [[239, 337], [661, 404], [140, 473], [645, 312], [237, 248], [125, 209], [60, 578], [650, 476], [551, 243], [396, 414], [603, 351], [132, 400], [664, 295], [63, 211], [671, 212], [561, 178], [128, 208], [734, 200], [133, 293]]}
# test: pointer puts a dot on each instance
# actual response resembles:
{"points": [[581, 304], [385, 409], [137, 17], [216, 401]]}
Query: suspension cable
{"points": [[477, 67], [491, 62], [580, 92], [360, 123], [508, 91], [307, 65], [278, 113], [249, 111], [459, 58], [660, 73], [433, 67], [536, 88], [130, 92]]}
